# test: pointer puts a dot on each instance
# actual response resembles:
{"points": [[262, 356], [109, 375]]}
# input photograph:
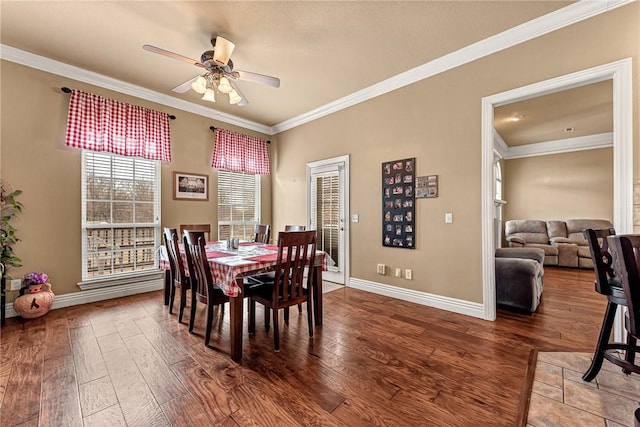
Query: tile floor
{"points": [[330, 286], [559, 396]]}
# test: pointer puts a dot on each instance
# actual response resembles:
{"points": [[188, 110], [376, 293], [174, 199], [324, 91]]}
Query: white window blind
{"points": [[325, 211], [238, 205], [120, 214]]}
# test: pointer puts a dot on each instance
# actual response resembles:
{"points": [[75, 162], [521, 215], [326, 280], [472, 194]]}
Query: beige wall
{"points": [[34, 159], [560, 186], [437, 120]]}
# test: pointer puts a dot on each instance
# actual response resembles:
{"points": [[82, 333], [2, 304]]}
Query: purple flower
{"points": [[35, 279]]}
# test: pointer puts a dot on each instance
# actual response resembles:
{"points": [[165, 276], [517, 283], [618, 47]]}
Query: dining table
{"points": [[229, 268]]}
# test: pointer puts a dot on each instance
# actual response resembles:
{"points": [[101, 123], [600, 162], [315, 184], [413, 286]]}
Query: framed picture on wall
{"points": [[190, 186], [398, 209], [427, 186]]}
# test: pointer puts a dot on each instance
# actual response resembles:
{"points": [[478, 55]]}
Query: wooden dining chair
{"points": [[296, 250], [206, 228], [607, 284], [179, 279], [625, 253], [203, 289], [262, 233], [294, 228]]}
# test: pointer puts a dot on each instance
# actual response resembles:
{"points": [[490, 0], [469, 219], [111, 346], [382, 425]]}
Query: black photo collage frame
{"points": [[398, 203]]}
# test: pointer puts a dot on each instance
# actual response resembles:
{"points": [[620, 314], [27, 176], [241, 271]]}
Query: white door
{"points": [[327, 196]]}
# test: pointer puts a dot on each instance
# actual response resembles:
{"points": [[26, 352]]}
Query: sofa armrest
{"points": [[556, 240], [535, 254], [516, 239]]}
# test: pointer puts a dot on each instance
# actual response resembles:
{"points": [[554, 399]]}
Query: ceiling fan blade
{"points": [[244, 101], [258, 78], [168, 54], [222, 50], [186, 86]]}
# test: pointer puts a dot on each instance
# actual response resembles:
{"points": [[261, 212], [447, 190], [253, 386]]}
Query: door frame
{"points": [[344, 161], [621, 74]]}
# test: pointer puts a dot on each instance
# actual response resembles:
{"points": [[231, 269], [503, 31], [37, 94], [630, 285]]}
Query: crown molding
{"points": [[38, 62], [499, 146], [553, 21], [576, 12], [580, 143]]}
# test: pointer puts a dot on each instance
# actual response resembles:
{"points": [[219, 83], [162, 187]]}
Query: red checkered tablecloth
{"points": [[229, 264]]}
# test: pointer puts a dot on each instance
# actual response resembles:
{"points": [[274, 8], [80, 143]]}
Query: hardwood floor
{"points": [[376, 361]]}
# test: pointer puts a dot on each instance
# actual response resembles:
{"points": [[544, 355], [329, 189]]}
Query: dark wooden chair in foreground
{"points": [[205, 228], [179, 279], [262, 233], [625, 252], [202, 287], [296, 250], [607, 284]]}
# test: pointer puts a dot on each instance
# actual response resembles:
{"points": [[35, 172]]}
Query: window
{"points": [[497, 172], [120, 214], [238, 205]]}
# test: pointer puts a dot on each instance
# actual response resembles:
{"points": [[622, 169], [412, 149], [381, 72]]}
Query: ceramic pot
{"points": [[36, 302]]}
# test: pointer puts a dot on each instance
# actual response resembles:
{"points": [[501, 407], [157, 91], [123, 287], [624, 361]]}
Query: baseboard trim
{"points": [[101, 294], [468, 308]]}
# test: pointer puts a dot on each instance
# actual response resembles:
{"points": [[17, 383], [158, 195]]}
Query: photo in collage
{"points": [[398, 208]]}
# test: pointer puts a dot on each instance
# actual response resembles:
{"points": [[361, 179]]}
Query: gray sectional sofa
{"points": [[562, 241]]}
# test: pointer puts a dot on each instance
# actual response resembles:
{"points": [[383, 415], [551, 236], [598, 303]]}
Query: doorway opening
{"points": [[327, 210], [620, 74]]}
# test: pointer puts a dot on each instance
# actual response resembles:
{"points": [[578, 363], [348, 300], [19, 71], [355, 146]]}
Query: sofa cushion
{"points": [[576, 226], [549, 250], [556, 229], [584, 252], [531, 230]]}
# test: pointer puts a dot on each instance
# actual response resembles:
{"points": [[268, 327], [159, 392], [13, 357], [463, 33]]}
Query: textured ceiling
{"points": [[588, 110], [321, 51]]}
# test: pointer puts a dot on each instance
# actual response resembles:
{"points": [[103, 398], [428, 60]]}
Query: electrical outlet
{"points": [[398, 272], [381, 269], [15, 285], [408, 274]]}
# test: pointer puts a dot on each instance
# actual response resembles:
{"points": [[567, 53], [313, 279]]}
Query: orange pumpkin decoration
{"points": [[34, 304]]}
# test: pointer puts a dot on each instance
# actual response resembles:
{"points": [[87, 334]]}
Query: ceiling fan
{"points": [[219, 74]]}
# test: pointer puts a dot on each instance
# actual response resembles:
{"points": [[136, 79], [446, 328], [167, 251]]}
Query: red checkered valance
{"points": [[99, 124], [236, 152]]}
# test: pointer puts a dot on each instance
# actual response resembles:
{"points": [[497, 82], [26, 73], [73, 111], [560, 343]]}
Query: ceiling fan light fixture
{"points": [[234, 98], [222, 50], [224, 86], [209, 95], [199, 85]]}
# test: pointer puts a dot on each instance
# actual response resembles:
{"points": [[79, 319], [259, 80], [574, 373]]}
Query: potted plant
{"points": [[10, 207]]}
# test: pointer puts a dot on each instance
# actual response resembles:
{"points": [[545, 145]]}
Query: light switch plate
{"points": [[355, 218], [448, 218]]}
